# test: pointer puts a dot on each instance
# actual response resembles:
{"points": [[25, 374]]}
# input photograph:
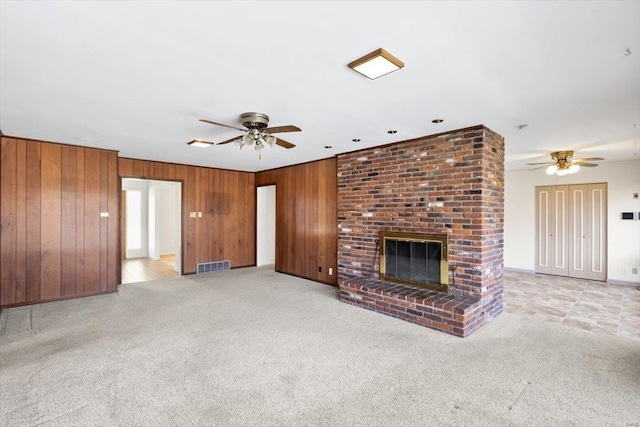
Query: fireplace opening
{"points": [[415, 259]]}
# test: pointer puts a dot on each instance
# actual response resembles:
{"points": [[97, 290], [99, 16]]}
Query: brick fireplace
{"points": [[448, 184]]}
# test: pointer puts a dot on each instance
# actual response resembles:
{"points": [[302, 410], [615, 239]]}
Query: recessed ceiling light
{"points": [[437, 121], [355, 140], [392, 131], [200, 143], [376, 64], [328, 146]]}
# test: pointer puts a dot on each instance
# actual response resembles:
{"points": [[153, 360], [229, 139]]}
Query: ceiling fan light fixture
{"points": [[270, 140], [376, 64], [565, 164], [200, 143], [256, 132]]}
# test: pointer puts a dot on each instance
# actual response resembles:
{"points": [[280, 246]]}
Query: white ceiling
{"points": [[137, 76]]}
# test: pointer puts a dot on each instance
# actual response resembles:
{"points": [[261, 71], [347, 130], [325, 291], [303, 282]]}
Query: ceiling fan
{"points": [[563, 163], [256, 132]]}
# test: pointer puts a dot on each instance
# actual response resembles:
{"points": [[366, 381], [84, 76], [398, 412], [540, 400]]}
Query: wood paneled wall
{"points": [[306, 219], [54, 242], [227, 200]]}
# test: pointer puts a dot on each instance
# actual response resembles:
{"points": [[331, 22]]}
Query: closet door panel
{"points": [[559, 234], [598, 232], [543, 231], [578, 229]]}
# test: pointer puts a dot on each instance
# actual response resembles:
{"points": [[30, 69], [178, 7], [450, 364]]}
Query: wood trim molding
{"points": [[60, 143]]}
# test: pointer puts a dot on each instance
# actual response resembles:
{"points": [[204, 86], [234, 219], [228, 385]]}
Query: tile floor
{"points": [[578, 303]]}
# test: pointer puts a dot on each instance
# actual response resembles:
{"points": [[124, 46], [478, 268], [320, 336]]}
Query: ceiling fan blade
{"points": [[542, 163], [282, 143], [588, 165], [282, 129], [588, 159], [229, 140], [222, 124]]}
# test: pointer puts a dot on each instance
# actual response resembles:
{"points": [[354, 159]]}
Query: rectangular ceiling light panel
{"points": [[376, 64], [199, 143]]}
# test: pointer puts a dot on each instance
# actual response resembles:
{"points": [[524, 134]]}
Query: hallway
{"points": [[146, 269]]}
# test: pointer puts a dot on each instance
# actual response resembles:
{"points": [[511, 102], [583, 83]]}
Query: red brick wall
{"points": [[449, 183]]}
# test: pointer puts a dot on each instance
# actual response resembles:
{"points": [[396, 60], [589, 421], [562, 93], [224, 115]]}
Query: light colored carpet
{"points": [[254, 347]]}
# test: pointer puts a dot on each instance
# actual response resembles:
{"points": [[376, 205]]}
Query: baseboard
{"points": [[622, 282], [308, 278], [519, 270], [44, 301]]}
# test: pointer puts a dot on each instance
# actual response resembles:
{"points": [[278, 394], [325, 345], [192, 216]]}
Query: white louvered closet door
{"points": [[571, 236]]}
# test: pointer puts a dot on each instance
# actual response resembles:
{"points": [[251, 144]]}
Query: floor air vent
{"points": [[208, 267]]}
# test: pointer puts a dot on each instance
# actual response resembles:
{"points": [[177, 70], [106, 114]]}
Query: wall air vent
{"points": [[209, 267]]}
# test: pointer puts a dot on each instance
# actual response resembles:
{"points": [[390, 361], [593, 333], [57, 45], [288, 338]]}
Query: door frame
{"points": [[183, 226], [275, 242]]}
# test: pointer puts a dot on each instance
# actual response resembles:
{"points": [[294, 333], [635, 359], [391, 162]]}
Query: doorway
{"points": [[151, 229], [266, 225], [571, 230]]}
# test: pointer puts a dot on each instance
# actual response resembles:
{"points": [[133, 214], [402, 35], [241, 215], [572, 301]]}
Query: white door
{"points": [[598, 234], [571, 230], [552, 226], [587, 229]]}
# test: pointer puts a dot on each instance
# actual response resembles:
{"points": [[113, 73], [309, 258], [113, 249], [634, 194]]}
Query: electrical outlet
{"points": [[192, 215], [330, 271], [634, 270], [319, 269]]}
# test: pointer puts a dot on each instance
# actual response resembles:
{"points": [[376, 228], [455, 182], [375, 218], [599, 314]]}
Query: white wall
{"points": [[622, 178], [142, 186], [165, 206], [161, 218], [163, 229], [266, 226], [151, 217]]}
